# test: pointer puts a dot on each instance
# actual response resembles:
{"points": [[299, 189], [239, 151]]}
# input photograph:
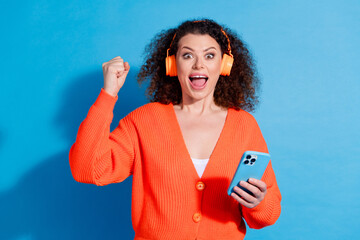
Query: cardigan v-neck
{"points": [[169, 200], [200, 165], [181, 146]]}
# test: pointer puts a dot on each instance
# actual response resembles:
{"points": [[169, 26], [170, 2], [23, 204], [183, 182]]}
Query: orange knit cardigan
{"points": [[169, 200]]}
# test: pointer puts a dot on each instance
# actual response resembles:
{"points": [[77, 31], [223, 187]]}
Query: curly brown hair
{"points": [[235, 91]]}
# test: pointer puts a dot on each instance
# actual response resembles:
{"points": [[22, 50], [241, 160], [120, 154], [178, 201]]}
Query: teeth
{"points": [[199, 76]]}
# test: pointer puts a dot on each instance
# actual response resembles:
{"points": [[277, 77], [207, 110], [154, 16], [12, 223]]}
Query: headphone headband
{"points": [[228, 40], [167, 52]]}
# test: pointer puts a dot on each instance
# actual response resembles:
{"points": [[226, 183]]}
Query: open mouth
{"points": [[198, 81]]}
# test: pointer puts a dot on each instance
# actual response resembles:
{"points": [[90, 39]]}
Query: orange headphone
{"points": [[226, 62]]}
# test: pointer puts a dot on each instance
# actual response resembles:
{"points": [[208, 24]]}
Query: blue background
{"points": [[307, 55]]}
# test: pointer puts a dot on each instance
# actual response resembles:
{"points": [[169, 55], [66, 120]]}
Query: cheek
{"points": [[180, 70], [181, 67], [215, 67], [181, 73]]}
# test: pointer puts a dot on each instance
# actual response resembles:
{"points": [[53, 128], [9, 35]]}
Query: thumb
{"points": [[126, 66]]}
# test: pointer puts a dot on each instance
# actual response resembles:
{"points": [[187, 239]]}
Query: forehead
{"points": [[197, 41]]}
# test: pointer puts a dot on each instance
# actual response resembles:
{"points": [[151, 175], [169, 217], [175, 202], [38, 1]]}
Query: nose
{"points": [[198, 64]]}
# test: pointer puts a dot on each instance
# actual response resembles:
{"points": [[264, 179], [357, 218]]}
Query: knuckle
{"points": [[244, 184], [115, 67], [111, 67]]}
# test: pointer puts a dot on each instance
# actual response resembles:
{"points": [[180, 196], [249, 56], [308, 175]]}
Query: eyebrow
{"points": [[204, 50]]}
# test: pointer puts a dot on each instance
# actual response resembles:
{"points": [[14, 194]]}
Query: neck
{"points": [[199, 106]]}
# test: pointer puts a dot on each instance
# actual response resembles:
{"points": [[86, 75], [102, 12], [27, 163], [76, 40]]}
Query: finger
{"points": [[126, 66], [258, 183], [243, 194], [253, 189], [241, 201], [109, 65], [118, 62], [115, 58], [117, 66]]}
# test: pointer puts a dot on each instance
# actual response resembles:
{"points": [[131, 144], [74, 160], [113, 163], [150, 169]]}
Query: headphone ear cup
{"points": [[226, 65], [171, 66]]}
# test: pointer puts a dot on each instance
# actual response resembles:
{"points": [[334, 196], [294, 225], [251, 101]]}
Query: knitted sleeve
{"points": [[268, 211], [98, 156]]}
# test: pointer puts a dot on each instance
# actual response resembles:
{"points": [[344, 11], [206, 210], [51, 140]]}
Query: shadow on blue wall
{"points": [[47, 200]]}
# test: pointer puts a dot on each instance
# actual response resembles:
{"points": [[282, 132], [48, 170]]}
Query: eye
{"points": [[210, 56], [187, 55]]}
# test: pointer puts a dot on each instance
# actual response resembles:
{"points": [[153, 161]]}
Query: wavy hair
{"points": [[235, 91]]}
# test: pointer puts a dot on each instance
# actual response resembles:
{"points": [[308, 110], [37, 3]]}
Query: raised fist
{"points": [[115, 72]]}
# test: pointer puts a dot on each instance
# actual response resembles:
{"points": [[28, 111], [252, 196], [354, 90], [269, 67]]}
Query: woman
{"points": [[184, 147]]}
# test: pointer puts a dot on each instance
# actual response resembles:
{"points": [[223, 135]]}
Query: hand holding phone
{"points": [[246, 186]]}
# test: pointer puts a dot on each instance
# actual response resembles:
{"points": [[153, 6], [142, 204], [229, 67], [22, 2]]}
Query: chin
{"points": [[197, 95]]}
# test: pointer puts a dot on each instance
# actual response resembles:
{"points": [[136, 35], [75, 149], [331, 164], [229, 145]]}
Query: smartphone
{"points": [[252, 165]]}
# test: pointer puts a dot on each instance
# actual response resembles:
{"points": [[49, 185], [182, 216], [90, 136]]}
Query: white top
{"points": [[200, 165]]}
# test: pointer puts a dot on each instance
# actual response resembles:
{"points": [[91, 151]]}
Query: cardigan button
{"points": [[197, 217], [200, 186]]}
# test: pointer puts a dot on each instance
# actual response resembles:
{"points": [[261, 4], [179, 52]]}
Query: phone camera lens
{"points": [[246, 162], [253, 160], [248, 156]]}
